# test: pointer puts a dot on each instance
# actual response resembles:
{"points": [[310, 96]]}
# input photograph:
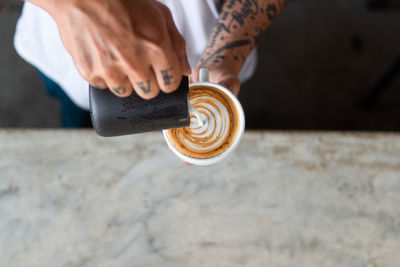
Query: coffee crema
{"points": [[219, 131]]}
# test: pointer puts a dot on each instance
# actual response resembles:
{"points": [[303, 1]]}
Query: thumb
{"points": [[232, 83]]}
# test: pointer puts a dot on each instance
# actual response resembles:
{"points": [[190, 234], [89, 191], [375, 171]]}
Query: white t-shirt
{"points": [[37, 40]]}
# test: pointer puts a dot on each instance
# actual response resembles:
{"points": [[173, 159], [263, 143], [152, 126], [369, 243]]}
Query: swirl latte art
{"points": [[220, 125]]}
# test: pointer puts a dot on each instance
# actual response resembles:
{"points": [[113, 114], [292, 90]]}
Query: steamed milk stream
{"points": [[220, 125]]}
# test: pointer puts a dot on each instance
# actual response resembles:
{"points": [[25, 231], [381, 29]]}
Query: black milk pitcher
{"points": [[113, 116]]}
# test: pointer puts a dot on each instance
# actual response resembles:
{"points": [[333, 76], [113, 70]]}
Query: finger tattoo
{"points": [[119, 90], [166, 76], [143, 87]]}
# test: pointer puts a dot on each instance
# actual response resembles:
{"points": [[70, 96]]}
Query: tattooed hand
{"points": [[124, 45], [240, 23], [219, 75]]}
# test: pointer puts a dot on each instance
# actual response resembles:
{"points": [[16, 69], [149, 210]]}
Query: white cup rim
{"points": [[213, 160]]}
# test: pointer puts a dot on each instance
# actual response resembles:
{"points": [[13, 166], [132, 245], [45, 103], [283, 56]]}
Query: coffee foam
{"points": [[220, 125]]}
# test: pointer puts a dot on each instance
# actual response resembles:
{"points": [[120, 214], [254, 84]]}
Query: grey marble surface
{"points": [[70, 198]]}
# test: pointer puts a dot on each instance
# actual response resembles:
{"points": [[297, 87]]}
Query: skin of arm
{"points": [[234, 36], [124, 45]]}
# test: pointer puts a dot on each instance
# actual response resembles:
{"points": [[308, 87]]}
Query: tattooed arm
{"points": [[234, 36]]}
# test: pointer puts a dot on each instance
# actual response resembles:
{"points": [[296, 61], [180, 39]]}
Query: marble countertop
{"points": [[71, 198]]}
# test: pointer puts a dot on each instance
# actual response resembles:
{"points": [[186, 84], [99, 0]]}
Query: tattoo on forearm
{"points": [[250, 7], [143, 87], [119, 90], [231, 46], [247, 19], [167, 77], [272, 11]]}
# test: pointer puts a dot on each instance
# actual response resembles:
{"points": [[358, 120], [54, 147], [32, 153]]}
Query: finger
{"points": [[166, 68], [231, 83], [168, 78], [118, 83], [145, 85], [122, 89], [180, 48], [99, 83], [86, 71], [142, 78], [178, 42]]}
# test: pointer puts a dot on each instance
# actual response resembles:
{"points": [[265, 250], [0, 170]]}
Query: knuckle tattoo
{"points": [[120, 90], [168, 78], [143, 87]]}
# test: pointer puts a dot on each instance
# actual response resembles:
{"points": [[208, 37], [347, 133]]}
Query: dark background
{"points": [[325, 65]]}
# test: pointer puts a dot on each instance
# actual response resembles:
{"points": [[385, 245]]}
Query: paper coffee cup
{"points": [[239, 128]]}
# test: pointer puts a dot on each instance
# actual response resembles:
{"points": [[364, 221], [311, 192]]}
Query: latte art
{"points": [[219, 129]]}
